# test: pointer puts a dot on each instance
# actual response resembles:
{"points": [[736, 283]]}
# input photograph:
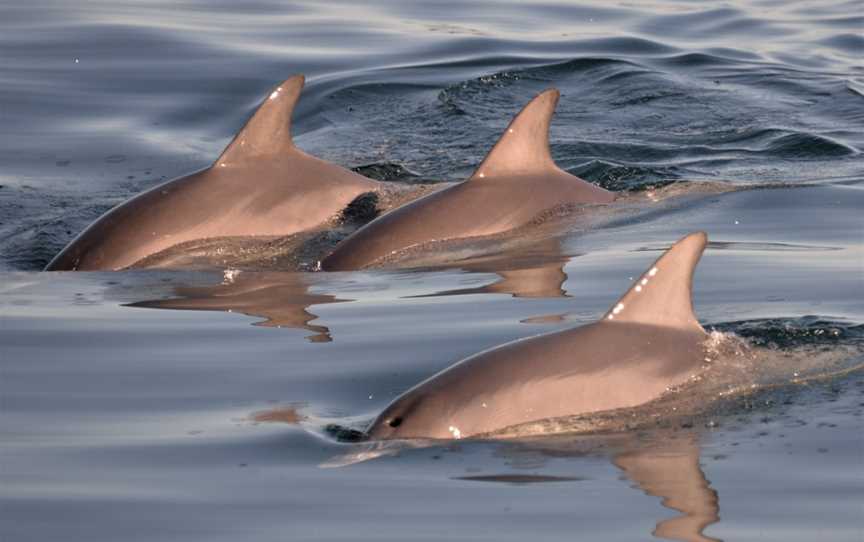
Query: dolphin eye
{"points": [[395, 422]]}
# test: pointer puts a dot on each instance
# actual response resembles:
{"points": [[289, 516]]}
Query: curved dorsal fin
{"points": [[268, 131], [662, 295], [524, 146]]}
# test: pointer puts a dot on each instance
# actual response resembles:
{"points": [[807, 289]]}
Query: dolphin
{"points": [[517, 183], [646, 343], [261, 185]]}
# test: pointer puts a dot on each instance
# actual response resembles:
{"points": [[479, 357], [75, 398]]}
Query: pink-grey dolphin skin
{"points": [[516, 183], [647, 342], [261, 185]]}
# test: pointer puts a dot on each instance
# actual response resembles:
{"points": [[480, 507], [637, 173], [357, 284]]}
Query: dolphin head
{"points": [[419, 413], [450, 405], [403, 418]]}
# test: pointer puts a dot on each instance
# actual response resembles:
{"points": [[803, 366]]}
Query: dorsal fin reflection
{"points": [[666, 467], [535, 272], [672, 472], [282, 299]]}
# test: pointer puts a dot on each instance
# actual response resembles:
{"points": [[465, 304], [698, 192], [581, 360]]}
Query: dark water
{"points": [[132, 422]]}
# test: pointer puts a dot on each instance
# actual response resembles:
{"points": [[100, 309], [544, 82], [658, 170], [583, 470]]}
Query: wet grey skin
{"points": [[261, 185], [649, 341], [516, 183]]}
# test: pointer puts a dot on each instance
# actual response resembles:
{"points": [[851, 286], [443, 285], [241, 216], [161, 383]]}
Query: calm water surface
{"points": [[122, 419]]}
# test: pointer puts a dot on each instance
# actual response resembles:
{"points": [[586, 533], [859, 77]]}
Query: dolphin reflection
{"points": [[282, 299], [664, 466], [672, 472], [534, 272], [667, 468]]}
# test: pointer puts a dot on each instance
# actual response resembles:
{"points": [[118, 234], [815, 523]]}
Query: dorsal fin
{"points": [[268, 132], [662, 295], [524, 146]]}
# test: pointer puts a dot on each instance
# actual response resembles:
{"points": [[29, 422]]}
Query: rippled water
{"points": [[122, 419]]}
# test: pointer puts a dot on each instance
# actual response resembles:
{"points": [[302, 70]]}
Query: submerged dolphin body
{"points": [[261, 185], [515, 184], [649, 341]]}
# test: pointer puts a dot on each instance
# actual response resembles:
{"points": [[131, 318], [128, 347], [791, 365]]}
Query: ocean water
{"points": [[222, 405]]}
